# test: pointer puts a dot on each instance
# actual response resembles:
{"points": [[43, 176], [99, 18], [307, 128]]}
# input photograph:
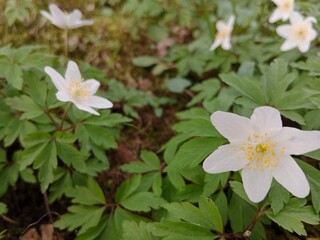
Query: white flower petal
{"points": [[231, 21], [75, 15], [92, 85], [265, 119], [284, 30], [99, 102], [313, 35], [298, 142], [277, 2], [226, 44], [220, 25], [304, 46], [63, 97], [85, 108], [73, 73], [295, 18], [289, 175], [224, 159], [47, 15], [59, 18], [57, 79], [231, 126], [81, 23], [288, 45], [256, 183], [215, 44], [275, 16]]}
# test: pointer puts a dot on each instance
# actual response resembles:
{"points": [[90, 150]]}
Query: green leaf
{"points": [[87, 195], [192, 152], [150, 162], [3, 208], [313, 176], [84, 217], [278, 197], [237, 187], [293, 214], [46, 161], [145, 61], [180, 231], [135, 231], [25, 104], [12, 72], [245, 86], [127, 188], [143, 201], [70, 155], [177, 85], [206, 216]]}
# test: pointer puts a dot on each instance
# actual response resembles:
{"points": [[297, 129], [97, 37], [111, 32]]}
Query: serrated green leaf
{"points": [[87, 195], [177, 85], [134, 231], [278, 197], [293, 214], [26, 105], [143, 201], [145, 61], [80, 216], [313, 176], [3, 208], [192, 152], [239, 190], [71, 156], [127, 188], [180, 231]]}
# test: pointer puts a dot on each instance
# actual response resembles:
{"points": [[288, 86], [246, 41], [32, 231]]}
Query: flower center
{"points": [[223, 33], [301, 32], [78, 90], [286, 5], [261, 152]]}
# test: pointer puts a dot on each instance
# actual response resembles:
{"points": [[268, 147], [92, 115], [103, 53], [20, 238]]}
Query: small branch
{"points": [[46, 203], [64, 116], [9, 220], [46, 111]]}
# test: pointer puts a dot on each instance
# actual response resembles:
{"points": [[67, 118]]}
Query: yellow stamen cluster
{"points": [[78, 90], [261, 152], [301, 32], [223, 33]]}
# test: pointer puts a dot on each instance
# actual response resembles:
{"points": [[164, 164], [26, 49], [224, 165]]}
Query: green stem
{"points": [[207, 17], [64, 116]]}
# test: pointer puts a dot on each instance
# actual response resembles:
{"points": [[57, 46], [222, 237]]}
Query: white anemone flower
{"points": [[283, 10], [299, 33], [65, 20], [261, 148], [223, 35], [72, 88]]}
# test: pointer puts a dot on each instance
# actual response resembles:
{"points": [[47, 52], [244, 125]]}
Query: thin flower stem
{"points": [[247, 232], [46, 111], [64, 116], [207, 17], [66, 50]]}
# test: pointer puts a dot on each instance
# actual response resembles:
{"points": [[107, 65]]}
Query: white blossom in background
{"points": [[72, 88], [261, 148], [299, 33], [223, 35], [283, 10], [65, 20]]}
